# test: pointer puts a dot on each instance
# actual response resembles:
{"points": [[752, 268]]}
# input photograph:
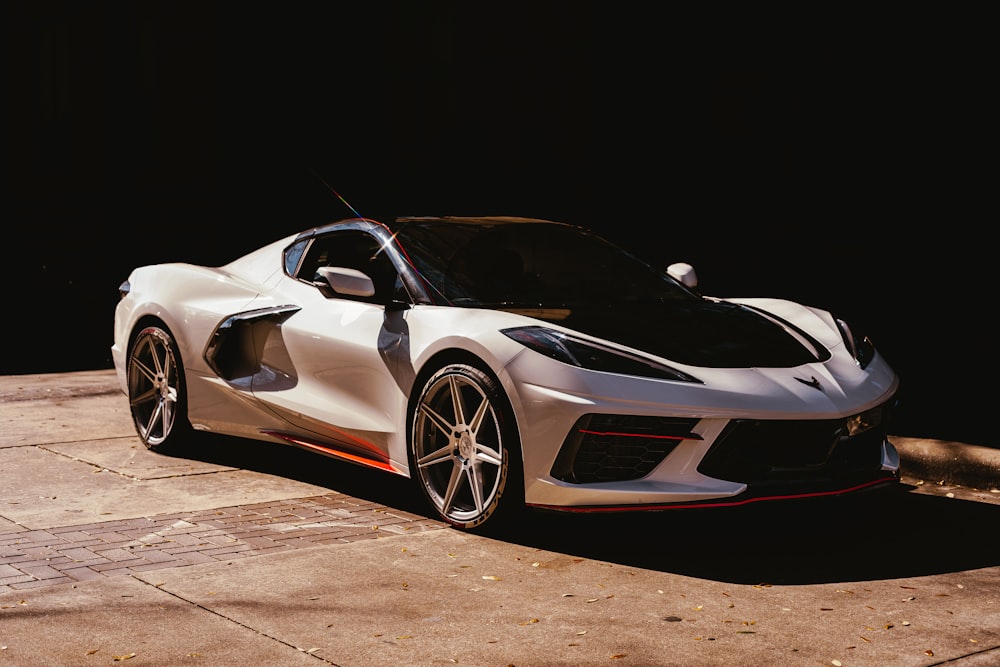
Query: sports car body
{"points": [[506, 363]]}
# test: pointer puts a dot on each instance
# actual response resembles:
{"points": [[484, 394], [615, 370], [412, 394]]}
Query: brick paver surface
{"points": [[33, 558]]}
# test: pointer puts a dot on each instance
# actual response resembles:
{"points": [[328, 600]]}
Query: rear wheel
{"points": [[464, 448], [156, 390]]}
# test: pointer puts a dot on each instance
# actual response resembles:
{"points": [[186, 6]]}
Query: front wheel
{"points": [[465, 450], [156, 390]]}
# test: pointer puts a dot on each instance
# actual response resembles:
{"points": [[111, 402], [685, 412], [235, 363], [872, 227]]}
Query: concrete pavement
{"points": [[247, 552]]}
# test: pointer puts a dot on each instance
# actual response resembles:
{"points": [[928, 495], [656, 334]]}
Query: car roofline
{"points": [[366, 224]]}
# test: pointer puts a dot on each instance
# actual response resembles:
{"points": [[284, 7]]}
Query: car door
{"points": [[332, 367]]}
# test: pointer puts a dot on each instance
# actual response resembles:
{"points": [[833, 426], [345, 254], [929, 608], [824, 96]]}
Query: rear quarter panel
{"points": [[190, 300]]}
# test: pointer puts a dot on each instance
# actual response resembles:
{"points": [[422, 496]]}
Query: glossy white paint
{"points": [[344, 370]]}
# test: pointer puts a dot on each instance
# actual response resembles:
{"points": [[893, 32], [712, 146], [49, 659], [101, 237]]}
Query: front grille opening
{"points": [[785, 452], [615, 448]]}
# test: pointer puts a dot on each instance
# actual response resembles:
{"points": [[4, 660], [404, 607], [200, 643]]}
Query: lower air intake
{"points": [[615, 448]]}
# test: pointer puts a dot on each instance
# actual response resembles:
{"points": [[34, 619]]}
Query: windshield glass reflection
{"points": [[530, 264]]}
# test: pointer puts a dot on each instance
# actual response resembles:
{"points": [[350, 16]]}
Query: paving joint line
{"points": [[241, 624]]}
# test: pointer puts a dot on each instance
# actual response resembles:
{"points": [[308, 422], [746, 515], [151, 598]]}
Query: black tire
{"points": [[156, 391], [465, 450]]}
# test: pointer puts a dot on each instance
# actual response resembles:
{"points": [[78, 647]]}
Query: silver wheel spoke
{"points": [[489, 455], [166, 366], [442, 455], [166, 409], [155, 353], [456, 400], [475, 475], [144, 397], [437, 420], [155, 416], [147, 373], [477, 418], [483, 453], [454, 483]]}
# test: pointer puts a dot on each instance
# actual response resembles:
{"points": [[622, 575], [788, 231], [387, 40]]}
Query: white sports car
{"points": [[507, 363]]}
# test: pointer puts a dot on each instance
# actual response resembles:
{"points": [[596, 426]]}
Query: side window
{"points": [[315, 258], [292, 256], [352, 249]]}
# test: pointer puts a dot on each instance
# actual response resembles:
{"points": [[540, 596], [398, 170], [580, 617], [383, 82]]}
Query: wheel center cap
{"points": [[465, 446]]}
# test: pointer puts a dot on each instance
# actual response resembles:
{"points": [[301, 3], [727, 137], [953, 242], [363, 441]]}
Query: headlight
{"points": [[592, 356], [861, 347]]}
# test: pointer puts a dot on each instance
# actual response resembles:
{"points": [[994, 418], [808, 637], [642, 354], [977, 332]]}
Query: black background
{"points": [[839, 167]]}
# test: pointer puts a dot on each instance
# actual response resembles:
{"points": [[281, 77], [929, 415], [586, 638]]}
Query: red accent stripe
{"points": [[594, 509], [689, 436], [336, 453]]}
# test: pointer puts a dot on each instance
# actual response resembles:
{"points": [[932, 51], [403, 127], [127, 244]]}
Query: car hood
{"points": [[706, 333]]}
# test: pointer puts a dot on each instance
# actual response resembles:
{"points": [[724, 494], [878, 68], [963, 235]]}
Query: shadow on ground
{"points": [[899, 534]]}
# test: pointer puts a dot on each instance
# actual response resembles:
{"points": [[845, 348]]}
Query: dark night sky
{"points": [[836, 169]]}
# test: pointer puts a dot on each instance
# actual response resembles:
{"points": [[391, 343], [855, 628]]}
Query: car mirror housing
{"points": [[342, 280], [683, 273]]}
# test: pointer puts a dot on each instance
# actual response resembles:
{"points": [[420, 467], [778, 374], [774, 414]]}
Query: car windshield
{"points": [[531, 264]]}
